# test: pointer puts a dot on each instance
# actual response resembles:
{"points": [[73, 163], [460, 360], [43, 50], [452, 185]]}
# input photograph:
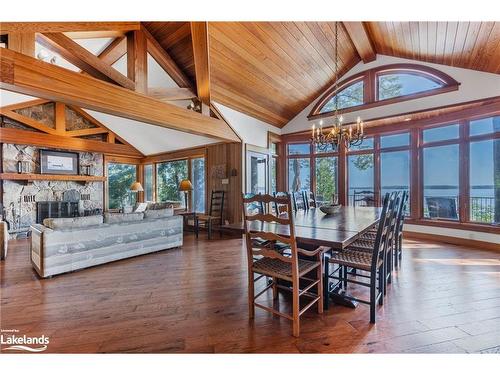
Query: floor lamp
{"points": [[186, 187]]}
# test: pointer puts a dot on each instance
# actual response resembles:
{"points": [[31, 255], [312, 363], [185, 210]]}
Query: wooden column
{"points": [[137, 60], [60, 118], [199, 34]]}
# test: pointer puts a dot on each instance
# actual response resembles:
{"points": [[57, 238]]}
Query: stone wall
{"points": [[19, 197]]}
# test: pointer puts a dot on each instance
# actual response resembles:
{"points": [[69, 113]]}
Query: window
{"points": [[148, 182], [299, 174], [299, 148], [169, 176], [198, 181], [120, 177], [441, 133], [350, 96], [396, 140], [366, 145], [392, 85], [360, 180], [440, 175], [326, 179], [485, 126], [395, 172], [484, 181], [383, 85]]}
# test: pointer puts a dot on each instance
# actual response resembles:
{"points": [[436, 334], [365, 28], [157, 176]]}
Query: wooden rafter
{"points": [[361, 39], [199, 35], [82, 58], [169, 94], [24, 74], [28, 121], [137, 60], [90, 131], [59, 27], [165, 61], [114, 51], [22, 42]]}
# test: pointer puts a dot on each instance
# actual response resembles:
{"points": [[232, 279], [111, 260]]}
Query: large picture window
{"points": [[198, 181], [350, 96], [120, 177], [393, 85], [169, 176]]}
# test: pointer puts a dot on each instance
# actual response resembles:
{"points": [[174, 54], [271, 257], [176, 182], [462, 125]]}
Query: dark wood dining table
{"points": [[313, 227]]}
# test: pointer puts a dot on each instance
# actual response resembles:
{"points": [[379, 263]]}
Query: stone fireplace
{"points": [[20, 199]]}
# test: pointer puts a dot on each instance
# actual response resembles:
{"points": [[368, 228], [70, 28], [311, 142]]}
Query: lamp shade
{"points": [[185, 185], [136, 186]]}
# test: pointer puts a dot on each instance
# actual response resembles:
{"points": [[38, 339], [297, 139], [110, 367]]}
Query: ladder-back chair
{"points": [[215, 215], [278, 266]]}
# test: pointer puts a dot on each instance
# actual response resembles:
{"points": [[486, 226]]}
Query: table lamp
{"points": [[136, 187], [186, 186]]}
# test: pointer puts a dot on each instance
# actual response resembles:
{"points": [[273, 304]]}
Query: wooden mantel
{"points": [[50, 177]]}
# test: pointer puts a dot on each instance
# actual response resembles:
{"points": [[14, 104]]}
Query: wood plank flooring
{"points": [[444, 299]]}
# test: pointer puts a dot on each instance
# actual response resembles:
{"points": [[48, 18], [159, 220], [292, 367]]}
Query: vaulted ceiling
{"points": [[273, 70]]}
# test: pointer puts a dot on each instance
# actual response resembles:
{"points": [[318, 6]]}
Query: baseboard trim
{"points": [[481, 245]]}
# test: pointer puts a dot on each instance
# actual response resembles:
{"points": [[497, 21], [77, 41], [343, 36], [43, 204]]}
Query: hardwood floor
{"points": [[445, 299]]}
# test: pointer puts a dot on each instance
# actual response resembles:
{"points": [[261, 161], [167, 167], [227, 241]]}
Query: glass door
{"points": [[257, 176]]}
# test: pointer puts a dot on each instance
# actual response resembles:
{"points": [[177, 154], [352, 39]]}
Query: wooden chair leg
{"points": [[326, 299], [209, 229], [319, 273], [275, 287], [296, 308], [373, 295], [251, 293]]}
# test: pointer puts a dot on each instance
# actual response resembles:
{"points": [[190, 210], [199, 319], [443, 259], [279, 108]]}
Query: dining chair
{"points": [[310, 199], [369, 262], [298, 200], [398, 242], [288, 267], [280, 209], [215, 214]]}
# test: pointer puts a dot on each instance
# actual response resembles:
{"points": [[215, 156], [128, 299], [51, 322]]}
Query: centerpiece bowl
{"points": [[330, 209]]}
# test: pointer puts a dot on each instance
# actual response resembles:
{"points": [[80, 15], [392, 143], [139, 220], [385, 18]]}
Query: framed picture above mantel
{"points": [[59, 162]]}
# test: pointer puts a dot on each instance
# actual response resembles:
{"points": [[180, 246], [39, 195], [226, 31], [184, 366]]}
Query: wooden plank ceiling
{"points": [[273, 70]]}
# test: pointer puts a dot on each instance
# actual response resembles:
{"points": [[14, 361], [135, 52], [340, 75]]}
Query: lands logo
{"points": [[10, 341]]}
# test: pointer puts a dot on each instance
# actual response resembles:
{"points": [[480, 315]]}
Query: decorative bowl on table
{"points": [[330, 209]]}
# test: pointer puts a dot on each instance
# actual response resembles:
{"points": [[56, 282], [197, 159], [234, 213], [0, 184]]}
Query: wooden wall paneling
{"points": [[59, 27], [137, 60], [23, 74], [68, 143], [201, 53], [22, 42], [82, 58]]}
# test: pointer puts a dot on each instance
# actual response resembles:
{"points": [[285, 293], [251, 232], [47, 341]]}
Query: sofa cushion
{"points": [[157, 214], [116, 218], [72, 222], [163, 205]]}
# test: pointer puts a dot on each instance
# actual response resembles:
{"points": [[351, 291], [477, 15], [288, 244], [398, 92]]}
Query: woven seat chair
{"points": [[371, 262], [310, 199], [271, 263], [215, 214]]}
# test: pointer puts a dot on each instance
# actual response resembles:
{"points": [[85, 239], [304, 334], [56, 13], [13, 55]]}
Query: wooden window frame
{"points": [[370, 87]]}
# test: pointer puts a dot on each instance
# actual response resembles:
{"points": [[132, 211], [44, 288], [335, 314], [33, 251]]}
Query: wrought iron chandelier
{"points": [[339, 133]]}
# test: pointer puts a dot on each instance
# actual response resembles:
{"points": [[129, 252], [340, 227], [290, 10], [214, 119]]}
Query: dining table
{"points": [[315, 228]]}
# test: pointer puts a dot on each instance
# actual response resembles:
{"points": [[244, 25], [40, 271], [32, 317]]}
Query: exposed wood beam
{"points": [[82, 58], [111, 138], [137, 60], [168, 94], [27, 104], [95, 34], [165, 61], [59, 27], [26, 75], [199, 35], [17, 136], [89, 131], [361, 39], [28, 121], [114, 51], [60, 118], [22, 42]]}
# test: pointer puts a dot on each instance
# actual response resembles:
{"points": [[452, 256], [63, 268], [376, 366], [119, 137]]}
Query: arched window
{"points": [[383, 85], [393, 85], [350, 96]]}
